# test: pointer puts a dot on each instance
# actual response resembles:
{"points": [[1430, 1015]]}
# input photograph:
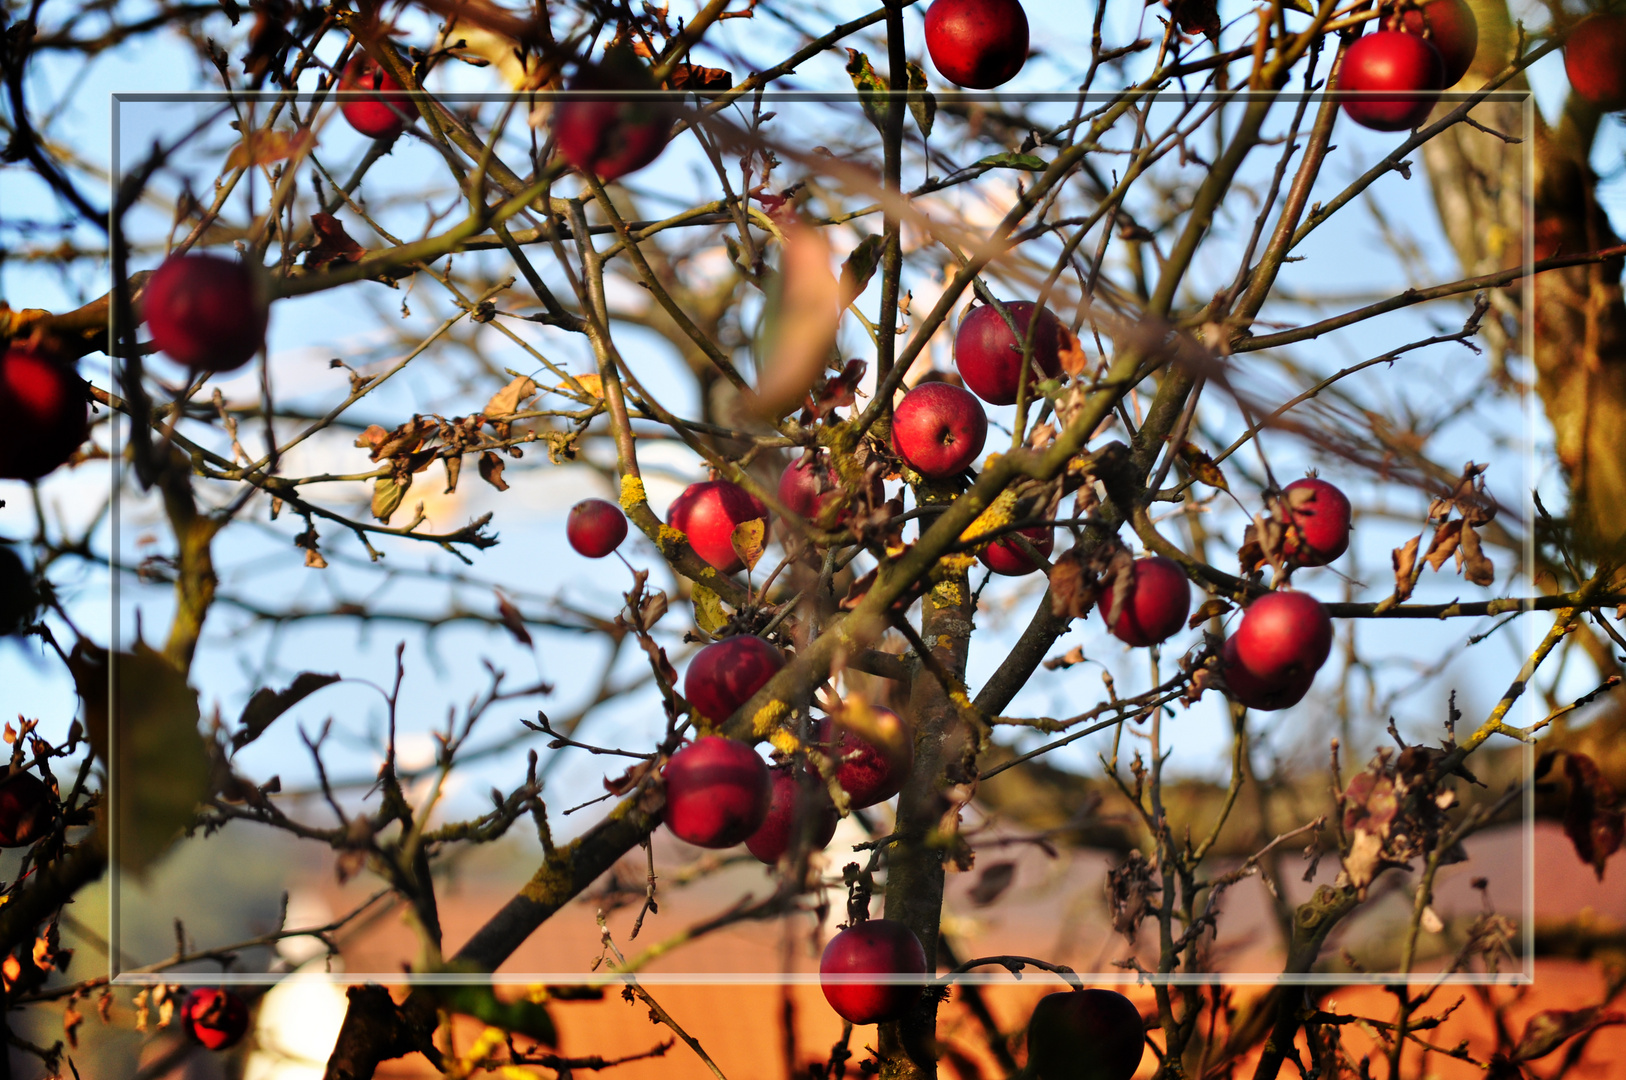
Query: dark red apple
{"points": [[215, 1018], [778, 832], [1004, 557], [1158, 601], [1085, 1035], [1320, 516], [708, 513], [27, 809], [604, 128], [1256, 693], [1382, 67], [717, 792], [43, 412], [18, 602], [207, 312], [1595, 60], [874, 947], [939, 429], [1280, 644], [977, 43], [374, 112], [870, 770], [1450, 27], [595, 527], [808, 486], [725, 674], [989, 356]]}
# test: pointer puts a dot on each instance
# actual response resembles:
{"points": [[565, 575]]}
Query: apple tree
{"points": [[1064, 429]]}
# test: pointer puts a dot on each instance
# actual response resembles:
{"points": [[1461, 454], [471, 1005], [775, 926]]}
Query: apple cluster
{"points": [[1389, 77]]}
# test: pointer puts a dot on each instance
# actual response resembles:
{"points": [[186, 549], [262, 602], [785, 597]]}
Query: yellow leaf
{"points": [[747, 541], [708, 610], [589, 382]]}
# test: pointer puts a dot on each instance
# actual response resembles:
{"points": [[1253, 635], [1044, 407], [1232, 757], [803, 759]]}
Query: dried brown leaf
{"points": [[1405, 560], [506, 402], [333, 244], [512, 619], [1444, 544], [1476, 565], [491, 467]]}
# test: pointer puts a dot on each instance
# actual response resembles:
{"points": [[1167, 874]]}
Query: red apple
{"points": [[778, 832], [1280, 644], [725, 674], [1387, 63], [1319, 514], [207, 312], [938, 429], [43, 412], [977, 43], [717, 792], [874, 947], [1595, 60], [1156, 606], [989, 356], [27, 809], [708, 513], [1450, 27], [1085, 1035], [18, 602], [870, 770], [215, 1018], [1256, 693], [1004, 557], [610, 138], [595, 527], [808, 486], [374, 114]]}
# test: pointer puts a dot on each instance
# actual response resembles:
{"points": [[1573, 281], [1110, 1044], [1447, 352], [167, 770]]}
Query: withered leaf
{"points": [[1476, 565], [1071, 657], [747, 540], [922, 103], [1212, 608], [1070, 351], [263, 147], [837, 391], [1202, 467], [267, 705], [1592, 819], [591, 383], [860, 267], [1551, 1028], [1444, 544], [871, 88], [709, 615], [1072, 590], [1405, 560], [702, 79], [491, 470], [1196, 17], [629, 779], [333, 244], [506, 402], [387, 495], [512, 619], [992, 883], [71, 1019]]}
